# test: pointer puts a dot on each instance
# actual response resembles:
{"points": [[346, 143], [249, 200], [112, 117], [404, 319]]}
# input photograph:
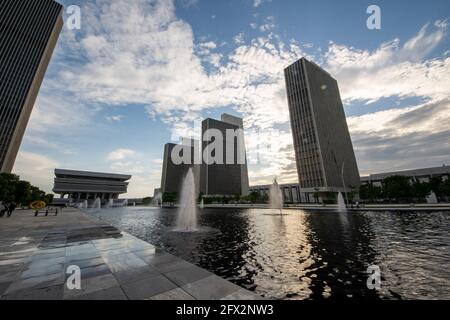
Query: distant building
{"points": [[322, 143], [83, 185], [173, 173], [224, 178], [419, 175], [29, 31], [291, 192]]}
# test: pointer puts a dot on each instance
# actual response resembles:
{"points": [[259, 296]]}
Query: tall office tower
{"points": [[175, 170], [29, 31], [323, 147], [228, 175], [227, 118]]}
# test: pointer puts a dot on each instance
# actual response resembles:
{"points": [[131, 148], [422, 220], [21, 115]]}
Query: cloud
{"points": [[408, 138], [257, 3], [150, 57], [392, 69], [36, 168], [120, 154], [115, 118]]}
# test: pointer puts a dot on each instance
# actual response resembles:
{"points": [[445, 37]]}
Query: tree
{"points": [[397, 187], [445, 188], [436, 185], [8, 184], [370, 192], [147, 200], [22, 192], [169, 197], [254, 197], [48, 198], [420, 190]]}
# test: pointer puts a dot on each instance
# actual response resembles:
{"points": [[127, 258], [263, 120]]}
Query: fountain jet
{"points": [[276, 197], [341, 203], [187, 212]]}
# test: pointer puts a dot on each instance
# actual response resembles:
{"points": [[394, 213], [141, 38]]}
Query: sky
{"points": [[139, 74]]}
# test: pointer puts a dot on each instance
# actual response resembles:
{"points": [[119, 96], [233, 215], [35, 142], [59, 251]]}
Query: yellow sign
{"points": [[38, 205]]}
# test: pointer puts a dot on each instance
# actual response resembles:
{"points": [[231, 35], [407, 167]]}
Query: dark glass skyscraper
{"points": [[224, 178], [323, 147], [29, 31]]}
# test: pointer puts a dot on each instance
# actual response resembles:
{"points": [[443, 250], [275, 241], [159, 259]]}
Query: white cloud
{"points": [[239, 38], [36, 168], [149, 57], [257, 3], [391, 70], [115, 118], [120, 154]]}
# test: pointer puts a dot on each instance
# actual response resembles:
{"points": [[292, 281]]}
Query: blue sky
{"points": [[139, 74]]}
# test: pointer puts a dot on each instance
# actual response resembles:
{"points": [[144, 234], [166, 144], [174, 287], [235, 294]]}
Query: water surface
{"points": [[307, 254]]}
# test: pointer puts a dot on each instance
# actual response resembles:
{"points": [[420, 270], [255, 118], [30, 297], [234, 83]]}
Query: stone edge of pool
{"points": [[36, 252]]}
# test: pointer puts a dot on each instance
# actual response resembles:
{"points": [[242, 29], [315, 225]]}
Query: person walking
{"points": [[3, 209], [11, 209]]}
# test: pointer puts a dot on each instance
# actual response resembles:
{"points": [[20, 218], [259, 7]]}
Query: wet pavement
{"points": [[36, 252]]}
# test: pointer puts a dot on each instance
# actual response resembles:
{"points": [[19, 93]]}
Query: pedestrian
{"points": [[3, 209], [11, 208]]}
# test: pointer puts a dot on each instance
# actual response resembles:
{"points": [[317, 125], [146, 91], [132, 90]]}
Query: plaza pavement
{"points": [[35, 253]]}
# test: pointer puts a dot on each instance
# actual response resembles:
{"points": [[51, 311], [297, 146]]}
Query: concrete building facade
{"points": [[84, 185], [324, 152], [29, 31], [291, 192], [415, 175], [173, 173], [223, 178]]}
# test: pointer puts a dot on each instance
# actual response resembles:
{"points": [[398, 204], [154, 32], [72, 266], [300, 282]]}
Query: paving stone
{"points": [[242, 295], [159, 258], [210, 288], [34, 254], [175, 294], [123, 262], [36, 282], [91, 285], [47, 293], [187, 274], [113, 293], [147, 288], [135, 274], [93, 271], [85, 263], [166, 267], [4, 286]]}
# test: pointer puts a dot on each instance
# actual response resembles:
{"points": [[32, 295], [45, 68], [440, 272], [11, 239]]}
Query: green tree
{"points": [[48, 198], [436, 185], [22, 193], [397, 187], [147, 200], [420, 190], [445, 188], [254, 197], [8, 183], [170, 197], [370, 192]]}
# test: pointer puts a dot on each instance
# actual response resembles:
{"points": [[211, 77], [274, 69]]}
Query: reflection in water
{"points": [[307, 255]]}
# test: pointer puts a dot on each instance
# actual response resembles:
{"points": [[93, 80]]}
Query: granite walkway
{"points": [[35, 253]]}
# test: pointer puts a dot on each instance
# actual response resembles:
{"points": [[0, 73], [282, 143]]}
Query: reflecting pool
{"points": [[307, 254]]}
